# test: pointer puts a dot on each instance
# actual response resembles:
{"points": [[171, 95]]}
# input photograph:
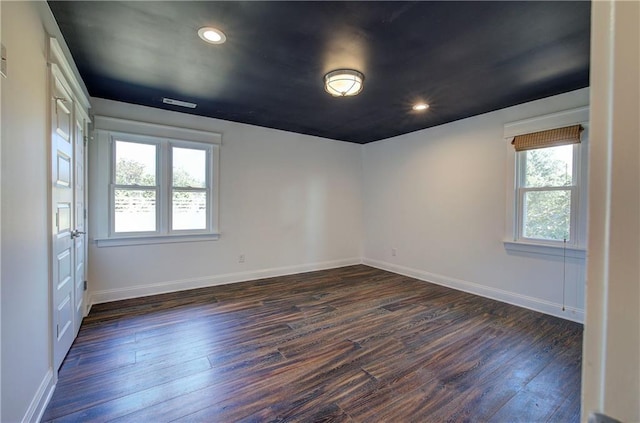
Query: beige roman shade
{"points": [[549, 138]]}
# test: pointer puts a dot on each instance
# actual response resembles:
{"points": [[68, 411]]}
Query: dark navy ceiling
{"points": [[463, 58]]}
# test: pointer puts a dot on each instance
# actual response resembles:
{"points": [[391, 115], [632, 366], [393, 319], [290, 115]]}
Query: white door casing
{"points": [[79, 234]]}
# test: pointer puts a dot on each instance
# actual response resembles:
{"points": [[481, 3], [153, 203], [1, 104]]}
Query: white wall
{"points": [[26, 367], [611, 365], [438, 197], [288, 202]]}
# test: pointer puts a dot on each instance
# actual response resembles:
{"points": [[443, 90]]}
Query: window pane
{"points": [[546, 215], [135, 210], [135, 164], [189, 167], [549, 167], [189, 210]]}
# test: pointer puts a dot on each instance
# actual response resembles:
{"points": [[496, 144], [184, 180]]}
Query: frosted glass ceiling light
{"points": [[343, 82]]}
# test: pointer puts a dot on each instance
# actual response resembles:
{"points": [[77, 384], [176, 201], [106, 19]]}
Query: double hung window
{"points": [[547, 185], [160, 189], [160, 186], [547, 193]]}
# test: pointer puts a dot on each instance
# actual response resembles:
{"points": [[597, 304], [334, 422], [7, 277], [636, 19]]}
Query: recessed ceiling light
{"points": [[420, 107], [212, 35]]}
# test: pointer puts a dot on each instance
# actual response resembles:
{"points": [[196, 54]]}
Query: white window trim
{"points": [[108, 128], [512, 241]]}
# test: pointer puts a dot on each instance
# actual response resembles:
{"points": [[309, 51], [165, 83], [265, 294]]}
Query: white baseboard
{"points": [[41, 399], [532, 303], [105, 296]]}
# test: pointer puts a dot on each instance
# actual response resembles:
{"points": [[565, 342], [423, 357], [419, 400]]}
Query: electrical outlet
{"points": [[394, 252], [241, 258]]}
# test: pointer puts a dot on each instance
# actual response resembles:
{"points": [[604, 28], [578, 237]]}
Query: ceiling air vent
{"points": [[180, 103]]}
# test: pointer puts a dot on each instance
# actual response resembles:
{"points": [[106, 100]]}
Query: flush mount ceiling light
{"points": [[212, 35], [420, 107], [343, 82]]}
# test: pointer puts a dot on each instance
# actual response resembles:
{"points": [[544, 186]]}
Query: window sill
{"points": [[545, 249], [154, 239]]}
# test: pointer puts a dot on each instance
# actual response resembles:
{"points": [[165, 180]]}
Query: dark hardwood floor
{"points": [[354, 344]]}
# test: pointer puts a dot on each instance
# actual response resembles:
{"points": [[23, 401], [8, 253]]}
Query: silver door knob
{"points": [[76, 233]]}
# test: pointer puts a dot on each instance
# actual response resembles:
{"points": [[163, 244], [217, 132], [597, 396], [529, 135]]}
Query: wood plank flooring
{"points": [[354, 344]]}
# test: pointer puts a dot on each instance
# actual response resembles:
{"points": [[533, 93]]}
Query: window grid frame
{"points": [[113, 186], [208, 149], [574, 189], [164, 186]]}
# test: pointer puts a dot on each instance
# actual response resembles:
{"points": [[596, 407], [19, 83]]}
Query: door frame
{"points": [[61, 68], [80, 120], [62, 188]]}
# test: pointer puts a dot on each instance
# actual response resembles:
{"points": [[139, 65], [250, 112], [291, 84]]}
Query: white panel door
{"points": [[63, 272], [79, 234]]}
